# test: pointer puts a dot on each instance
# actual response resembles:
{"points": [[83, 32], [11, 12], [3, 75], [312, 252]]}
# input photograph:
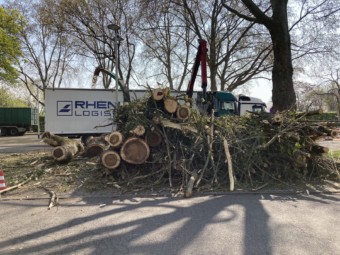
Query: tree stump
{"points": [[135, 151], [110, 159], [115, 139], [170, 105]]}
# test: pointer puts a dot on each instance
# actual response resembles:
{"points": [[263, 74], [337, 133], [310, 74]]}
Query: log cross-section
{"points": [[170, 105], [115, 139], [183, 112], [110, 159], [153, 138], [135, 151]]}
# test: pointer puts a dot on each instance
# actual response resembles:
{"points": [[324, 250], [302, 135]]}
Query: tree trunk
{"points": [[338, 110], [283, 93]]}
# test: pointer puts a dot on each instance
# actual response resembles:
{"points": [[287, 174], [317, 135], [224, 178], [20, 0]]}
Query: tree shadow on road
{"points": [[154, 226]]}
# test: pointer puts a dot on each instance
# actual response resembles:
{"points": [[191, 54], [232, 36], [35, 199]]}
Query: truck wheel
{"points": [[13, 131], [3, 131]]}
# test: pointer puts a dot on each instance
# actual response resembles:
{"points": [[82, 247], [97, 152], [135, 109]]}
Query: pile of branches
{"points": [[161, 139]]}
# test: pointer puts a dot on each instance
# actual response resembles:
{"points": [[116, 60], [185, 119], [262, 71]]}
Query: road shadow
{"points": [[181, 221], [188, 221]]}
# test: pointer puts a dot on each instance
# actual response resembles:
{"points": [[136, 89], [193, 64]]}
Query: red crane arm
{"points": [[201, 59]]}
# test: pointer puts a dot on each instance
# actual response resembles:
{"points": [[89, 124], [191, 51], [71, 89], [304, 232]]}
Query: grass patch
{"points": [[334, 154]]}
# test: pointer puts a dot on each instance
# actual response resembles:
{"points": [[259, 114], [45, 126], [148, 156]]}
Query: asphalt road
{"points": [[19, 144], [214, 225], [31, 142]]}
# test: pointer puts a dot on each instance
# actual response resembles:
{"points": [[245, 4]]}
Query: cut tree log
{"points": [[139, 130], [157, 94], [170, 105], [66, 152], [318, 149], [325, 130], [135, 151], [96, 145], [65, 149], [277, 118], [190, 185], [153, 138], [334, 133], [183, 112], [115, 139], [110, 159]]}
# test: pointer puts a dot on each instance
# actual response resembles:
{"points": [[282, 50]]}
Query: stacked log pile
{"points": [[160, 139]]}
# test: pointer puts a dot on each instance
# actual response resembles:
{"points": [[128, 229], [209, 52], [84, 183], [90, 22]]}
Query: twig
{"points": [[169, 155], [18, 185], [260, 187], [54, 200]]}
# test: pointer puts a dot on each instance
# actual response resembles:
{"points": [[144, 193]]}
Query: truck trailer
{"points": [[82, 112], [89, 112], [17, 120]]}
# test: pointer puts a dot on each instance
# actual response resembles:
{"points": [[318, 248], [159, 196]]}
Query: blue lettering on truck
{"points": [[84, 108]]}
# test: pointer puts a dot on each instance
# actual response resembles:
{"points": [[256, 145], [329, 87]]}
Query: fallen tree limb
{"points": [[169, 124], [191, 182], [66, 148], [54, 199], [230, 165]]}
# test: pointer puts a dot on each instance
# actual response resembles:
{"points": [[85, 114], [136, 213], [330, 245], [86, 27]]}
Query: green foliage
{"points": [[11, 23], [9, 100]]}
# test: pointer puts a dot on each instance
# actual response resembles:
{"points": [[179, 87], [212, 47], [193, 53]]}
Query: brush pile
{"points": [[161, 140]]}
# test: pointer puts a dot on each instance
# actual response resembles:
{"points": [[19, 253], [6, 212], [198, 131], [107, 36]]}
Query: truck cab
{"points": [[224, 103], [251, 104]]}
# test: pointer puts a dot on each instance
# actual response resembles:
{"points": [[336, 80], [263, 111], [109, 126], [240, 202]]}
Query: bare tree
{"points": [[88, 22], [165, 40], [308, 96], [333, 82], [47, 55], [237, 49], [282, 74], [278, 26]]}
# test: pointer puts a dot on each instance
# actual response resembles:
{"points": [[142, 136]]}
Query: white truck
{"points": [[86, 112], [81, 112]]}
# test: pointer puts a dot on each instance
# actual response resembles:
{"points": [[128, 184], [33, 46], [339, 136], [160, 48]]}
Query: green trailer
{"points": [[16, 121]]}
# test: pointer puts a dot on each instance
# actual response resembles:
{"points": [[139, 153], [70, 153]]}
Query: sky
{"points": [[262, 89]]}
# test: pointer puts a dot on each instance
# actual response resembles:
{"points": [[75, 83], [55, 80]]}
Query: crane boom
{"points": [[201, 59]]}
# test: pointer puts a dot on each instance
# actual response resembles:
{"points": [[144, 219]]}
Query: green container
{"points": [[20, 117]]}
